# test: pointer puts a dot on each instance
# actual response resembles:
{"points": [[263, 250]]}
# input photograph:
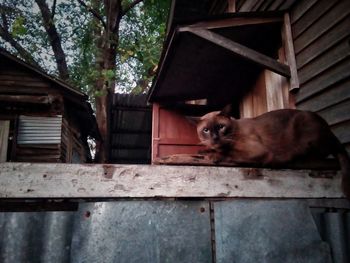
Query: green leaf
{"points": [[18, 28]]}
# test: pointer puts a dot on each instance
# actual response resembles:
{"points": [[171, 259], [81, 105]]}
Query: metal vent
{"points": [[39, 130]]}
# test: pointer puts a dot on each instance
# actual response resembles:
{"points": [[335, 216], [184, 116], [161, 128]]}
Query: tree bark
{"points": [[54, 39], [107, 40], [107, 44]]}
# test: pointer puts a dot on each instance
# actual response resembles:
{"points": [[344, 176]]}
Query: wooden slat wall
{"points": [[321, 31], [172, 133]]}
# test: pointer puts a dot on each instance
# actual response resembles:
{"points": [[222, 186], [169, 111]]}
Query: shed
{"points": [[42, 119], [256, 55]]}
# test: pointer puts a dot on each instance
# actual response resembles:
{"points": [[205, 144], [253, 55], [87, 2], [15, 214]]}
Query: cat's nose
{"points": [[215, 138]]}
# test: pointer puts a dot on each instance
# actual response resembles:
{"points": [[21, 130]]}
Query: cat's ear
{"points": [[193, 120], [226, 111]]}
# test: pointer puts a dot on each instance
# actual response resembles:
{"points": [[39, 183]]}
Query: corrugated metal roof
{"points": [[131, 126], [39, 130], [130, 100]]}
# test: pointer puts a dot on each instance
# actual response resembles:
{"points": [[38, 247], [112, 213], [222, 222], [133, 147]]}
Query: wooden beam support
{"points": [[231, 6], [290, 54], [241, 50], [234, 22], [34, 180]]}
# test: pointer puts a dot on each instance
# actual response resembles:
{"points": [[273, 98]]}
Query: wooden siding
{"points": [[321, 31], [26, 91], [172, 133]]}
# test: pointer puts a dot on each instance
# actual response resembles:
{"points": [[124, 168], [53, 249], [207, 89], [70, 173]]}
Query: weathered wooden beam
{"points": [[233, 22], [240, 50], [290, 54], [31, 99], [29, 180]]}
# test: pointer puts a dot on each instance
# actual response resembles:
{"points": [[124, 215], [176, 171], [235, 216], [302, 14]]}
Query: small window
{"points": [[39, 130]]}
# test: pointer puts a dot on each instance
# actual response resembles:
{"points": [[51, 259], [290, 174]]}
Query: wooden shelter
{"points": [[256, 55], [42, 119]]}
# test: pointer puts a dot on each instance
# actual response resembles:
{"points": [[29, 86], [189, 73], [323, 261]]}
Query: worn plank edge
{"points": [[33, 180]]}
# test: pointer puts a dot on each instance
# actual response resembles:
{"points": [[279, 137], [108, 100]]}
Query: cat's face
{"points": [[214, 129]]}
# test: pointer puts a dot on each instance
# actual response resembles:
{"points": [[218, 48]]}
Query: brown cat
{"points": [[271, 139]]}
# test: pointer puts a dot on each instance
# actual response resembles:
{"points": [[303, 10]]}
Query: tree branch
{"points": [[93, 12], [55, 39], [5, 22], [53, 9], [5, 35], [130, 6]]}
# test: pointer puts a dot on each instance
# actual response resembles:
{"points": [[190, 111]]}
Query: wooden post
{"points": [[290, 54], [231, 6]]}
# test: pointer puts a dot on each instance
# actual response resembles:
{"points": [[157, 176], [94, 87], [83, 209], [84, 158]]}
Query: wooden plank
{"points": [[45, 100], [20, 83], [300, 9], [322, 63], [25, 90], [290, 54], [327, 97], [27, 78], [266, 4], [277, 91], [318, 10], [329, 78], [247, 6], [339, 32], [257, 5], [242, 51], [29, 180], [337, 113], [286, 5], [232, 22], [204, 160], [342, 131], [276, 5], [231, 6], [4, 136], [322, 26]]}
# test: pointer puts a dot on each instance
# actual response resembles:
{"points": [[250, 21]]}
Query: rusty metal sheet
{"points": [[267, 231], [147, 232], [125, 231]]}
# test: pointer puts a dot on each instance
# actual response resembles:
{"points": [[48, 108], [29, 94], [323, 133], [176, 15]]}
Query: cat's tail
{"points": [[344, 162]]}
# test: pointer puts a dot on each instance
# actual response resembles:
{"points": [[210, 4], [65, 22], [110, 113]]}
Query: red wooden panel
{"points": [[172, 133]]}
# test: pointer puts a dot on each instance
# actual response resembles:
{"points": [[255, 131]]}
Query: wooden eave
{"points": [[220, 56]]}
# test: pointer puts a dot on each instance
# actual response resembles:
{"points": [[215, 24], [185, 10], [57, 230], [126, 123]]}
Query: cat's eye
{"points": [[205, 130], [221, 126]]}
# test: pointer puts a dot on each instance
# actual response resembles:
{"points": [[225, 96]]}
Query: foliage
{"points": [[141, 35], [142, 32]]}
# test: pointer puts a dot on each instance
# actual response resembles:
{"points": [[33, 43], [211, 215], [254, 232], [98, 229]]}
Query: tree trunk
{"points": [[107, 44], [54, 38]]}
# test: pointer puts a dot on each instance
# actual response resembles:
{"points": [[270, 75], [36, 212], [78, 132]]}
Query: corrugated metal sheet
{"points": [[178, 231], [268, 231], [39, 130], [131, 122], [128, 231]]}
